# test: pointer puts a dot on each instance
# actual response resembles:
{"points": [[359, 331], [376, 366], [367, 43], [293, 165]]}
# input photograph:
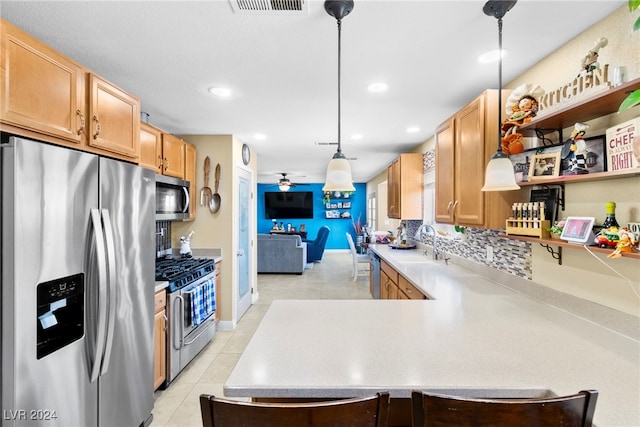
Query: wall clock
{"points": [[246, 154]]}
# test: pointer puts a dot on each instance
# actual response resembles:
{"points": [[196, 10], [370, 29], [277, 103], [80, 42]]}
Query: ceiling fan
{"points": [[284, 184]]}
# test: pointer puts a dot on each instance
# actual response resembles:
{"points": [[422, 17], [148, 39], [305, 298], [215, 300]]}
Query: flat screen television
{"points": [[288, 205]]}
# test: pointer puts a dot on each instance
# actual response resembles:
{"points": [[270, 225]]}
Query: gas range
{"points": [[180, 272]]}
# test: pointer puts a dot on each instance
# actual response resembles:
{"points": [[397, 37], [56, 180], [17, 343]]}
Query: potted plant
{"points": [[634, 97], [556, 229]]}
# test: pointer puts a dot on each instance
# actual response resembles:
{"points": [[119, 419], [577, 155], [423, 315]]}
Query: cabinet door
{"points": [[445, 196], [42, 90], [384, 285], [115, 119], [172, 156], [150, 147], [410, 185], [393, 189], [159, 359], [469, 163], [190, 175]]}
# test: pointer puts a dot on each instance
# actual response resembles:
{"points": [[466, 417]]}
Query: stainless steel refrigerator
{"points": [[77, 288]]}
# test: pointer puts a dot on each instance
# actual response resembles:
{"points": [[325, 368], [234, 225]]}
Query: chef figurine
{"points": [[185, 246], [575, 152]]}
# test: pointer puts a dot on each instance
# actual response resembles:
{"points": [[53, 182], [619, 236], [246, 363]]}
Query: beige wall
{"points": [[220, 230], [607, 282]]}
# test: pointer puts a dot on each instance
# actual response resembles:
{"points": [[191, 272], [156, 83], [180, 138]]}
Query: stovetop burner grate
{"points": [[180, 272]]}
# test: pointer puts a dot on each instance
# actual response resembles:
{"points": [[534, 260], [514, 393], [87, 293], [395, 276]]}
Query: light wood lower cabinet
{"points": [[160, 340], [393, 285]]}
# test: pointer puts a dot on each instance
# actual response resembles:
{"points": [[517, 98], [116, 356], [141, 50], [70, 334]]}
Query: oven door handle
{"points": [[178, 342], [212, 322]]}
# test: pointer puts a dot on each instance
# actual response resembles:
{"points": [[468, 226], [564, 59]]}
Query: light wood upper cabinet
{"points": [[42, 90], [464, 146], [114, 118], [190, 175], [404, 187], [172, 156], [150, 147], [47, 96], [445, 190]]}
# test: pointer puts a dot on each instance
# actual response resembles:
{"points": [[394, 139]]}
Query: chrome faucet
{"points": [[424, 228]]}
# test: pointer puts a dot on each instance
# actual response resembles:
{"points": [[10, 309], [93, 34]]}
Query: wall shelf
{"points": [[559, 244], [598, 176], [601, 104]]}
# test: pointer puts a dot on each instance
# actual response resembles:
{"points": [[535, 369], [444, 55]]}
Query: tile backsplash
{"points": [[163, 238], [511, 256]]}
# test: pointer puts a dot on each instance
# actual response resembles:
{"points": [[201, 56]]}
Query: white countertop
{"points": [[475, 338]]}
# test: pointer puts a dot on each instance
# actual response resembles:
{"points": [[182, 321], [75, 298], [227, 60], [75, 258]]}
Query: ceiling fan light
{"points": [[499, 175], [284, 187], [338, 175]]}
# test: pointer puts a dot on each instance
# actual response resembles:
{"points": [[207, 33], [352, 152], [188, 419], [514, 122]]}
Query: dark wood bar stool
{"points": [[434, 410], [370, 411]]}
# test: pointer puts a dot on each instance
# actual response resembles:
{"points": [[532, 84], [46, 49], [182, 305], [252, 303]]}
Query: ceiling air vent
{"points": [[269, 6]]}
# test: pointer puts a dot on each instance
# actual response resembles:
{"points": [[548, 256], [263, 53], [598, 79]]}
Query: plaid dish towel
{"points": [[197, 306], [209, 297]]}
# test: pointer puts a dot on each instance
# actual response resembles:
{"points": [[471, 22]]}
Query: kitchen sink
{"points": [[507, 393]]}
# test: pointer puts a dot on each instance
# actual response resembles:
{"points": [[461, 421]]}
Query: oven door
{"points": [[192, 322]]}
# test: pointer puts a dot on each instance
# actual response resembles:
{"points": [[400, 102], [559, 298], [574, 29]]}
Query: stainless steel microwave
{"points": [[172, 198]]}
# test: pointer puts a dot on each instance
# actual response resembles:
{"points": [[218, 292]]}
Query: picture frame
{"points": [[544, 166], [578, 230], [596, 156]]}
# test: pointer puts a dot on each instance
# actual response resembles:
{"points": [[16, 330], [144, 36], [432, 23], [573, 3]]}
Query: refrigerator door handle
{"points": [[102, 293], [111, 286]]}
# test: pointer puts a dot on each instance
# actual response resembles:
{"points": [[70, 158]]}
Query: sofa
{"points": [[281, 254]]}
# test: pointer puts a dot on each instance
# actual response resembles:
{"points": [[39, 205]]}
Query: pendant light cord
{"points": [[499, 85], [339, 86]]}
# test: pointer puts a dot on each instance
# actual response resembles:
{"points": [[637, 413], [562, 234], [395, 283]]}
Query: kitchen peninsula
{"points": [[475, 338]]}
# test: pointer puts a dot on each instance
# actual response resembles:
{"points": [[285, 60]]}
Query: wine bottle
{"points": [[610, 220]]}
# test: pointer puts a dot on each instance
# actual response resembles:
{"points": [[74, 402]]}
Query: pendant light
{"points": [[499, 175], [339, 171]]}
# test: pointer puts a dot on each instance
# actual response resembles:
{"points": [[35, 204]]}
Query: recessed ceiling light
{"points": [[221, 92], [492, 56], [356, 136], [260, 136], [377, 87], [413, 129]]}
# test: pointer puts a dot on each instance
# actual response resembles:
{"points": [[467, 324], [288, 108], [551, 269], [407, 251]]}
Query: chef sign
{"points": [[623, 146]]}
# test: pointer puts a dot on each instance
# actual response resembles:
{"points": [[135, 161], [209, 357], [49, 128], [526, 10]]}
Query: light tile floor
{"points": [[179, 406]]}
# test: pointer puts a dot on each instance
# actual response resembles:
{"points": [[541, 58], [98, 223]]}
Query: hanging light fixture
{"points": [[499, 175], [339, 171]]}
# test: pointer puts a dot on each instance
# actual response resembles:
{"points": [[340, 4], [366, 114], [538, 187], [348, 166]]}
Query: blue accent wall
{"points": [[338, 226]]}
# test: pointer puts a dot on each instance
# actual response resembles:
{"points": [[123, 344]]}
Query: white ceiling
{"points": [[282, 67]]}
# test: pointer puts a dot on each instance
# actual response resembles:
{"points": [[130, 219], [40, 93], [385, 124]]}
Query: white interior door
{"points": [[243, 255]]}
